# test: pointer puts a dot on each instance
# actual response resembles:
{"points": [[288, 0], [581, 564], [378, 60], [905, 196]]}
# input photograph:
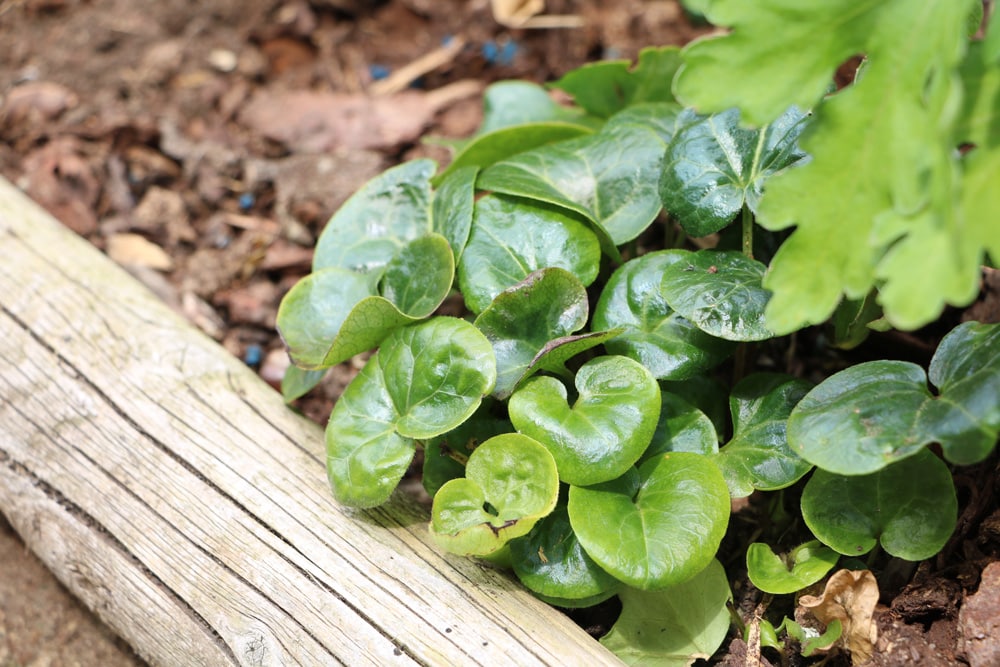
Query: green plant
{"points": [[595, 450]]}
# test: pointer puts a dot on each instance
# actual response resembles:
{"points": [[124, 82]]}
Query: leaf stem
{"points": [[747, 232]]}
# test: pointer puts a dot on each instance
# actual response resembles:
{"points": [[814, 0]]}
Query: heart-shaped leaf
{"points": [[668, 345], [720, 292], [510, 483], [675, 626], [713, 166], [446, 455], [869, 415], [758, 456], [452, 208], [425, 380], [681, 428], [522, 320], [552, 564], [655, 526], [604, 88], [909, 506], [370, 228], [311, 316], [803, 566], [605, 431], [609, 177], [512, 237]]}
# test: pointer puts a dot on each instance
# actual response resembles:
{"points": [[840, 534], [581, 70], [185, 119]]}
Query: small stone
{"points": [[223, 60]]}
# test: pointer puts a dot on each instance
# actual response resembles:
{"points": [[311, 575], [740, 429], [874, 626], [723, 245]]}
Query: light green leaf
{"points": [[670, 346], [371, 227], [655, 526], [610, 177], [446, 455], [606, 429], [425, 380], [509, 103], [298, 382], [510, 483], [910, 507], [524, 319], [720, 292], [675, 626], [714, 167], [452, 208], [512, 237], [758, 456], [681, 428], [802, 567]]}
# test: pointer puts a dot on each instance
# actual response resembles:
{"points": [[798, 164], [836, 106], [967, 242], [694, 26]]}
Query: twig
{"points": [[404, 76]]}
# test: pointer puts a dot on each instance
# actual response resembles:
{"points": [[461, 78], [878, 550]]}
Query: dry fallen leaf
{"points": [[526, 14], [133, 249], [850, 596]]}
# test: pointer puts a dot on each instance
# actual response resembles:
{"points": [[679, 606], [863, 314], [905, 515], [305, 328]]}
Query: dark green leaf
{"points": [[714, 167], [655, 526], [802, 567], [909, 506], [681, 428], [607, 428], [512, 237], [720, 292], [668, 345]]}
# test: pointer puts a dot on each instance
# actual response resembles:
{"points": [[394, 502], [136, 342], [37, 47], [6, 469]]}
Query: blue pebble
{"points": [[254, 355], [490, 51], [378, 72], [246, 201]]}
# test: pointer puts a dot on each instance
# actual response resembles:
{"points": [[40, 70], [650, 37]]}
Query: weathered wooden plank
{"points": [[172, 491]]}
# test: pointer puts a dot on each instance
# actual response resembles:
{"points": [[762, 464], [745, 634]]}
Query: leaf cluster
{"points": [[573, 423]]}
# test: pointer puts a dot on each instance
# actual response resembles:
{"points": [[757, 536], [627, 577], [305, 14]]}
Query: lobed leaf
{"points": [[655, 526], [512, 237], [670, 346], [675, 626], [510, 484], [720, 292], [607, 428], [909, 506]]}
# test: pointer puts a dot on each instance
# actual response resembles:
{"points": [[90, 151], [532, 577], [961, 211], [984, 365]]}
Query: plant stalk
{"points": [[747, 232]]}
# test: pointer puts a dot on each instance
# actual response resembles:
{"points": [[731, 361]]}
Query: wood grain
{"points": [[173, 492]]}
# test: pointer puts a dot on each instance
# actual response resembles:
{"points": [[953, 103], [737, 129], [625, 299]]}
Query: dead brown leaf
{"points": [[850, 596]]}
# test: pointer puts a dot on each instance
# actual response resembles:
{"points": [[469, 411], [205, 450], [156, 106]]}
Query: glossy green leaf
{"points": [[667, 344], [606, 429], [312, 313], [510, 483], [298, 382], [446, 455], [551, 563], [509, 103], [609, 177], [604, 88], [452, 208], [311, 316], [909, 507], [758, 455], [512, 237], [557, 352], [789, 573], [720, 292], [675, 626], [869, 415], [425, 380], [664, 118], [714, 167], [488, 149], [370, 228], [681, 428], [522, 320], [655, 526], [707, 394]]}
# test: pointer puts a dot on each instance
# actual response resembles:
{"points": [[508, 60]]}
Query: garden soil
{"points": [[202, 145]]}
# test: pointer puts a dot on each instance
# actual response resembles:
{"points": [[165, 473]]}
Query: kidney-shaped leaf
{"points": [[609, 177], [909, 506], [370, 228], [675, 626], [655, 526], [446, 455], [714, 167], [681, 428], [720, 292], [512, 237], [510, 483], [671, 347], [551, 563], [425, 380], [803, 566], [604, 432], [758, 456], [522, 320]]}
